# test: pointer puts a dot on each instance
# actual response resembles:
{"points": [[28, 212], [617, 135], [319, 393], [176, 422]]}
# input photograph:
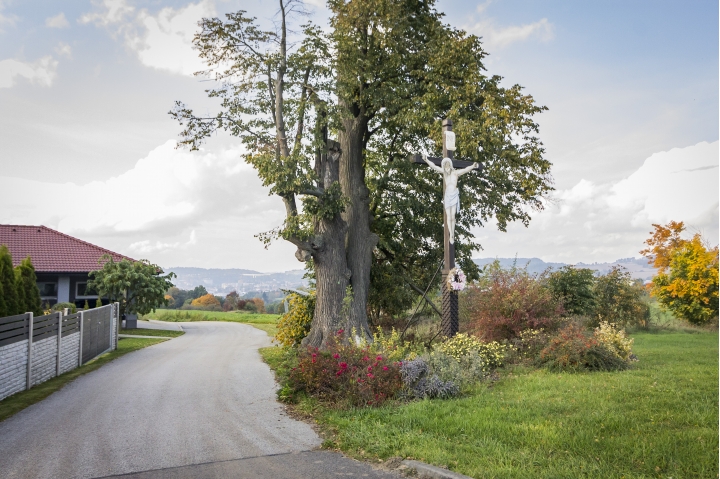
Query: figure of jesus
{"points": [[451, 201]]}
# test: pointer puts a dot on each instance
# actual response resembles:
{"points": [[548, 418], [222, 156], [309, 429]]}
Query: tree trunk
{"points": [[328, 253], [360, 241]]}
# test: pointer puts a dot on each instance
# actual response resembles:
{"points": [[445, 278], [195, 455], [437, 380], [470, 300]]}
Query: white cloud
{"points": [[165, 41], [162, 41], [173, 207], [108, 12], [58, 21], [63, 49], [41, 72], [6, 19], [604, 222], [499, 37]]}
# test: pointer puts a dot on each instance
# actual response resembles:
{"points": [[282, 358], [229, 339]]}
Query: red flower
{"points": [[379, 358], [343, 365], [370, 375], [339, 373], [385, 368], [340, 331], [369, 368], [365, 358], [336, 355]]}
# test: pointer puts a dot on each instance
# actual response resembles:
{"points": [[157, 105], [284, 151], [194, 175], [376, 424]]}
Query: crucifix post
{"points": [[450, 323]]}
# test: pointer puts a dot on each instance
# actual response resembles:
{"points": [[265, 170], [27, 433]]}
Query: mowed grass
{"points": [[19, 401], [657, 420], [266, 322], [152, 332]]}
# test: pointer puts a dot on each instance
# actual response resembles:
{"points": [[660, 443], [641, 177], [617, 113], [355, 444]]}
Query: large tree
{"points": [[380, 82]]}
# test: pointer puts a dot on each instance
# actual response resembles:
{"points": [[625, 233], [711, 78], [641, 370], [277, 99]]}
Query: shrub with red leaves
{"points": [[505, 302], [346, 373], [576, 349]]}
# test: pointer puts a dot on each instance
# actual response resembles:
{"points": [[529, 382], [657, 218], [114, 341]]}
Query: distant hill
{"points": [[637, 267], [223, 281]]}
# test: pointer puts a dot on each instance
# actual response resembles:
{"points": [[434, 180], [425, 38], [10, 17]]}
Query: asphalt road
{"points": [[200, 399]]}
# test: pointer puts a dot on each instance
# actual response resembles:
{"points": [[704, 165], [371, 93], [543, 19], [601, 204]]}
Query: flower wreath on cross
{"points": [[456, 279]]}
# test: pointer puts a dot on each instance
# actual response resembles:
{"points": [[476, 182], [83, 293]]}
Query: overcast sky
{"points": [[87, 147]]}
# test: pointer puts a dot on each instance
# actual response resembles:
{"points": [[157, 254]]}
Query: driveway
{"points": [[203, 398]]}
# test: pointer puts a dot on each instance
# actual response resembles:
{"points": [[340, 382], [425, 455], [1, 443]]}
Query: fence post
{"points": [[28, 378], [82, 322], [116, 312], [59, 343], [112, 325]]}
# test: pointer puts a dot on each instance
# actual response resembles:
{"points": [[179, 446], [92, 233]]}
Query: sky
{"points": [[87, 146]]}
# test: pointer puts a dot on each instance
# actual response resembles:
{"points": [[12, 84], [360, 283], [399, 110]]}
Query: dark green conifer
{"points": [[9, 286]]}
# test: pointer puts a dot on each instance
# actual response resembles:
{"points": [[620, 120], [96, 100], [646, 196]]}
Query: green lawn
{"points": [[19, 401], [659, 419], [152, 332], [266, 322]]}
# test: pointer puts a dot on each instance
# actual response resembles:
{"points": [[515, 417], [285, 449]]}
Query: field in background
{"points": [[266, 322]]}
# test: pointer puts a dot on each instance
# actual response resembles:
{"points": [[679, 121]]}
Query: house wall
{"points": [[67, 288]]}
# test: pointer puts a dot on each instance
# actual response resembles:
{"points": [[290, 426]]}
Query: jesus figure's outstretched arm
{"points": [[468, 169], [432, 165]]}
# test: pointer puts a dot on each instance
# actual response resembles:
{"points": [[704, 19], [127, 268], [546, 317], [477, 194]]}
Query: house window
{"points": [[48, 290], [82, 290]]}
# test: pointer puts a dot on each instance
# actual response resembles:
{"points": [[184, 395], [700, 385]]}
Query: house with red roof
{"points": [[61, 262]]}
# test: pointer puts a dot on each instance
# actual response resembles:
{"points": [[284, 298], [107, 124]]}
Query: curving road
{"points": [[204, 397]]}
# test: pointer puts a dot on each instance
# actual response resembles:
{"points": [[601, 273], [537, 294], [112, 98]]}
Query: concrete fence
{"points": [[34, 349]]}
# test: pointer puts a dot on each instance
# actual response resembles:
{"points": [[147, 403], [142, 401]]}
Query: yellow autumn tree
{"points": [[687, 279], [207, 301]]}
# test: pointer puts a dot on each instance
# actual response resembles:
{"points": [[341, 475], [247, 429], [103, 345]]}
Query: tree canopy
{"points": [[687, 279], [139, 286], [380, 81]]}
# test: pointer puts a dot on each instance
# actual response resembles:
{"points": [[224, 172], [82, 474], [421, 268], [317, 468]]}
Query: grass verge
{"points": [[265, 322], [152, 332], [657, 420], [19, 401]]}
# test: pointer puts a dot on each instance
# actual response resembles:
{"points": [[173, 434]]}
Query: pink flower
{"points": [[385, 368], [313, 360], [343, 365], [336, 355], [340, 331], [379, 358], [369, 368], [314, 355], [370, 375], [339, 373], [365, 358]]}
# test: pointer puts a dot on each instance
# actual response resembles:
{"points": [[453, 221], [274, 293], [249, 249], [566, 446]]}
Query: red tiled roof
{"points": [[52, 251]]}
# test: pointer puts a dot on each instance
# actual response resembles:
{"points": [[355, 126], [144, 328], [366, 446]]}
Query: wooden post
{"points": [[28, 378], [59, 343], [449, 325], [82, 322]]}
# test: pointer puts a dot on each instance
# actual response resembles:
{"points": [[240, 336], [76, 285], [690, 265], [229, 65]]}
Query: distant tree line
{"points": [[199, 298]]}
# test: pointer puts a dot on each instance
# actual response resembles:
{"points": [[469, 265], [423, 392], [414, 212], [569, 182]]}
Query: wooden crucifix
{"points": [[446, 165]]}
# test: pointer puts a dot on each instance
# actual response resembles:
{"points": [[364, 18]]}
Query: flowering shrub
{"points": [[614, 339], [461, 345], [505, 302], [346, 373], [574, 349], [527, 345], [294, 325]]}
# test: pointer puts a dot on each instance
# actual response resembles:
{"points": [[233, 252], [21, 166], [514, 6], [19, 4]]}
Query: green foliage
{"points": [[295, 324], [461, 345], [575, 288], [619, 300], [27, 283], [72, 308], [98, 303], [8, 286], [86, 306], [138, 286]]}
